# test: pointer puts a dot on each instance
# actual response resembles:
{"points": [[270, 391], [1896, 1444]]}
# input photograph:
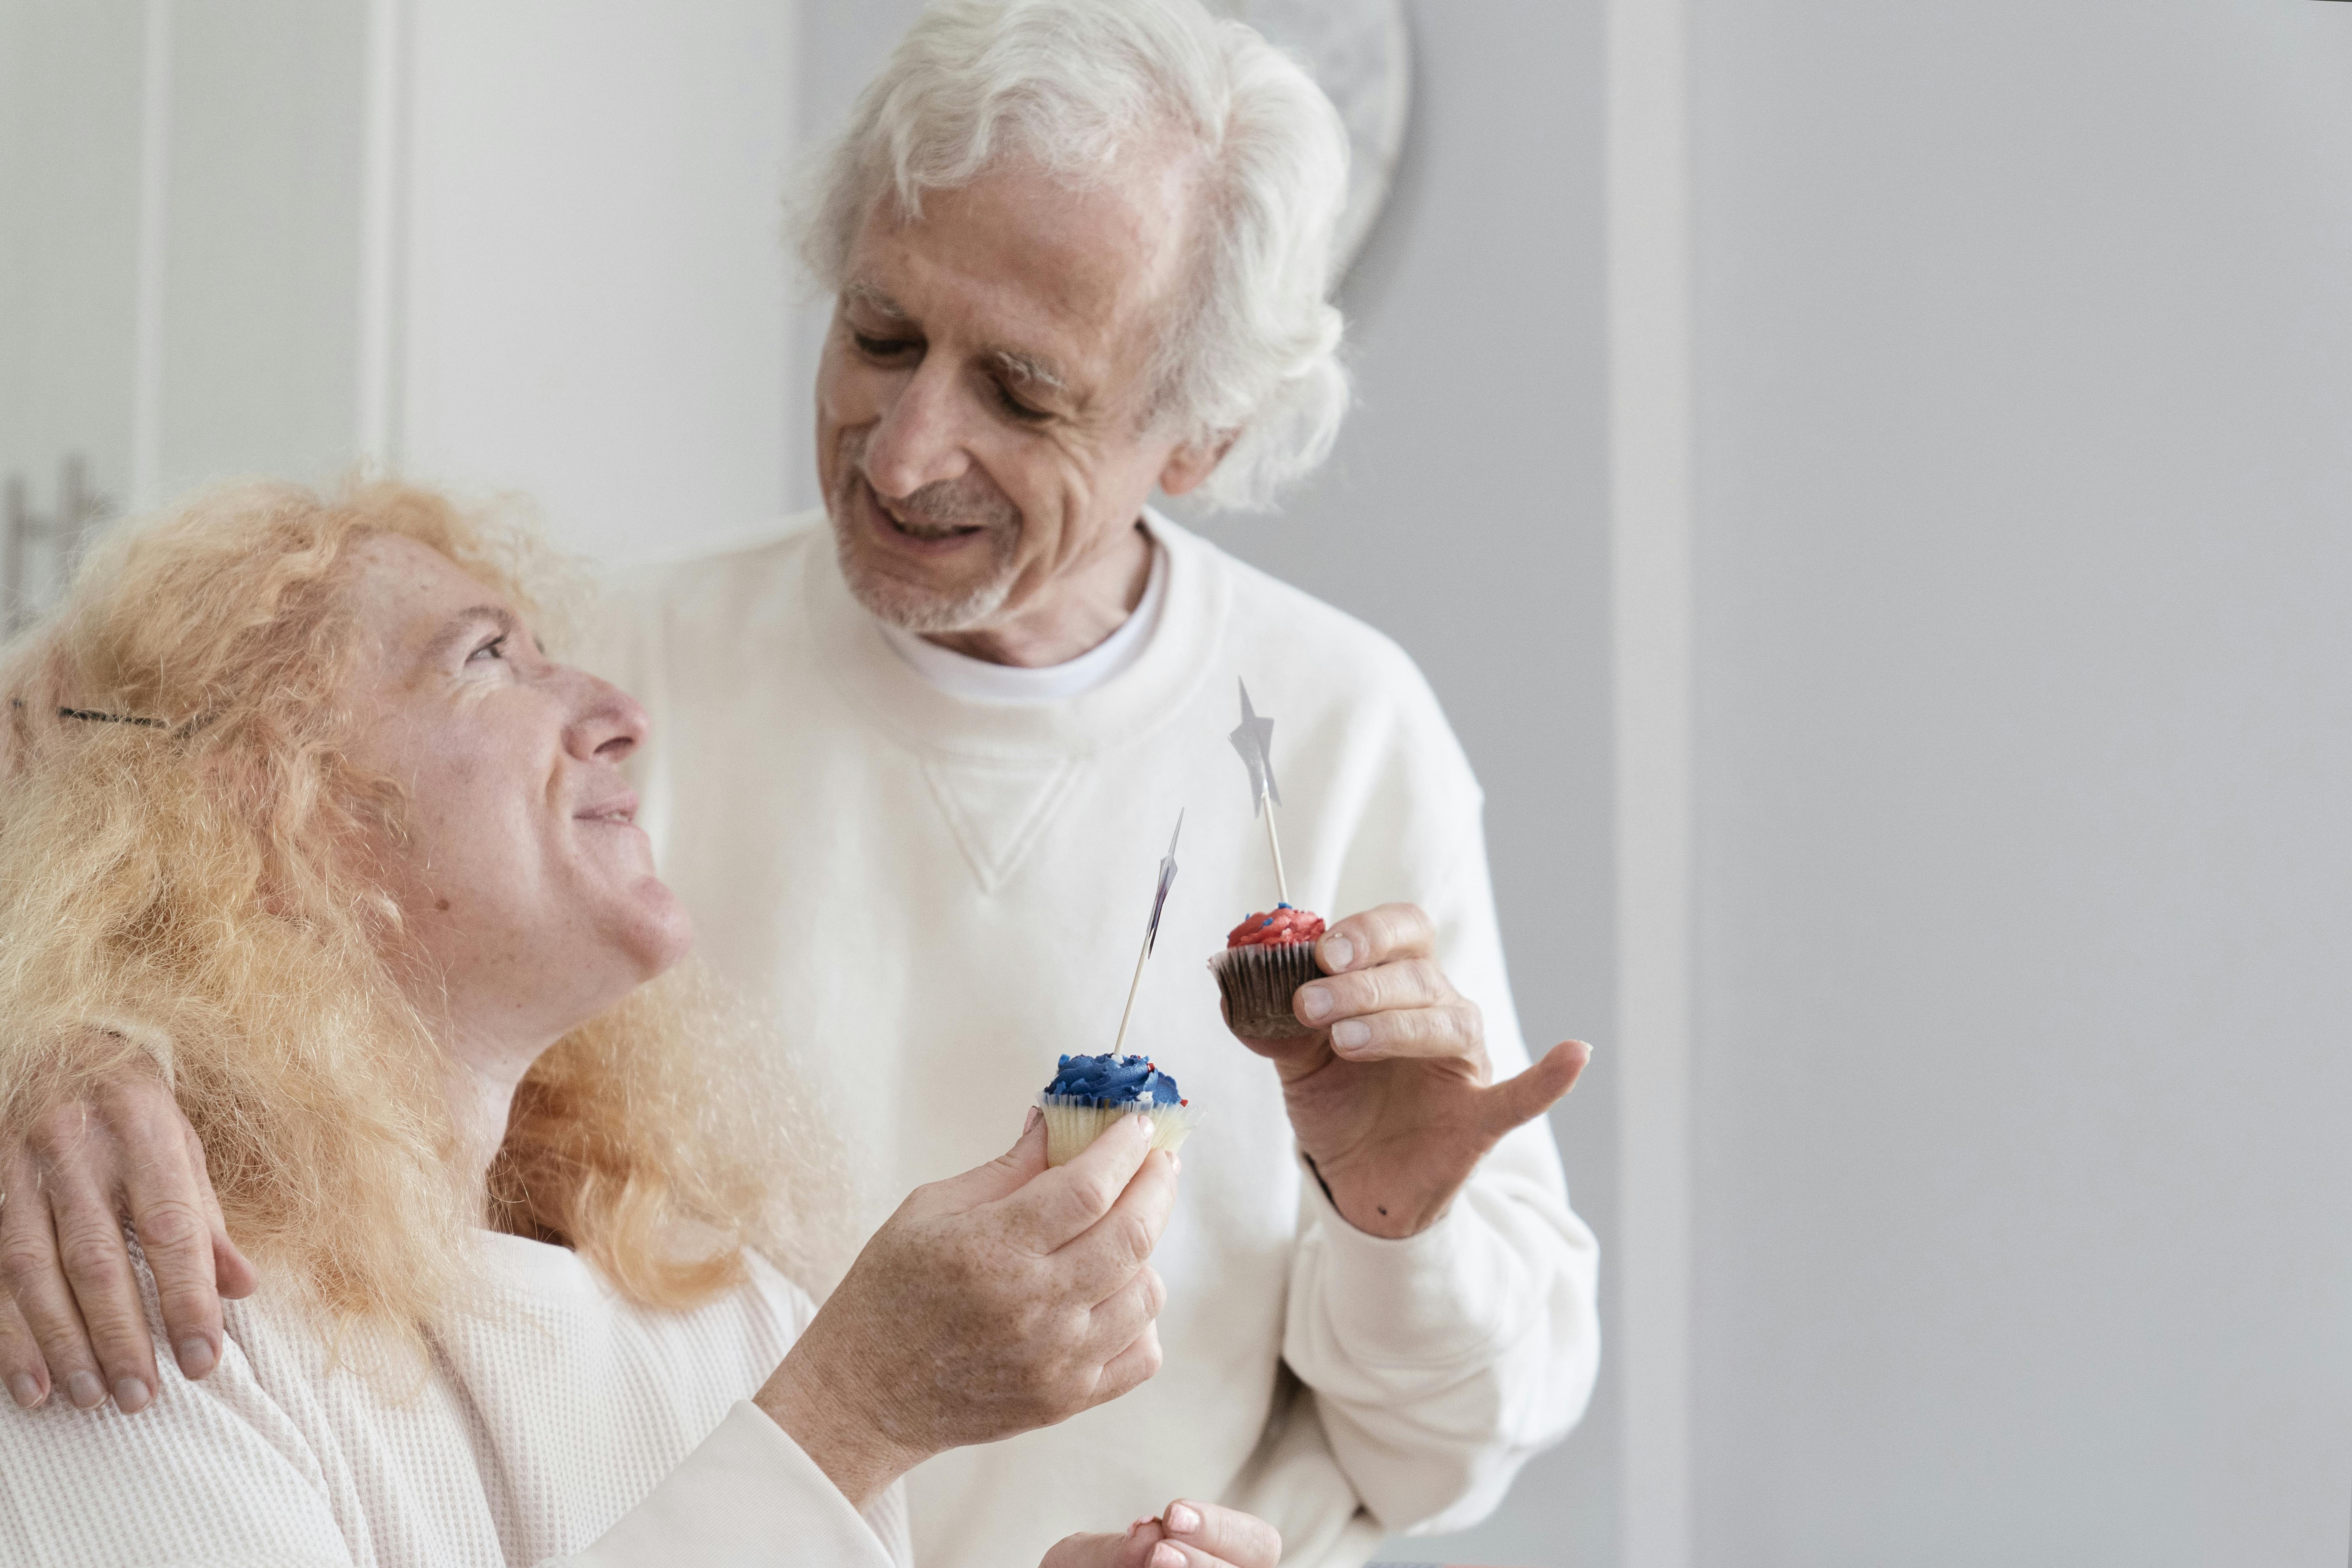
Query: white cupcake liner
{"points": [[1073, 1121]]}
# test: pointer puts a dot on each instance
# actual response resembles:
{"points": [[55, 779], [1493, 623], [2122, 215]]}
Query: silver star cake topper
{"points": [[1150, 932], [1167, 880], [1253, 738]]}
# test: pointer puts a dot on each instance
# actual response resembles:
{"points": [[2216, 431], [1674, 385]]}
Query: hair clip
{"points": [[98, 718]]}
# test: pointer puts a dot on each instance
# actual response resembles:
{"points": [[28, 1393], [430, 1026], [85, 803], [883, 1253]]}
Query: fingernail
{"points": [[1183, 1517], [1350, 1035], [197, 1356], [1166, 1556], [1138, 1525], [86, 1392], [1034, 1117], [26, 1389], [1338, 952], [130, 1395], [1315, 1001]]}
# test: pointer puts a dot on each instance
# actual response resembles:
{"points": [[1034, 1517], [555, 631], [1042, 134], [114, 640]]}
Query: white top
{"points": [[940, 894], [976, 679], [562, 1425]]}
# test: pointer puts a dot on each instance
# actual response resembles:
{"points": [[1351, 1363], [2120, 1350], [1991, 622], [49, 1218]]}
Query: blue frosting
{"points": [[1114, 1080]]}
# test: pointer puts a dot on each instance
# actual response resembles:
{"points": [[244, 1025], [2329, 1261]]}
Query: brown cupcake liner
{"points": [[1258, 983]]}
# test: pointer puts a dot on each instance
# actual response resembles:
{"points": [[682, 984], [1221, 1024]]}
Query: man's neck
{"points": [[1073, 613]]}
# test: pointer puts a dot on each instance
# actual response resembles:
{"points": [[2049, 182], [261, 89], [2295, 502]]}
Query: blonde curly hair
{"points": [[186, 843]]}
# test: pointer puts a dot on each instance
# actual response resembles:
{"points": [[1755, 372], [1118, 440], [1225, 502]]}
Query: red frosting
{"points": [[1282, 928]]}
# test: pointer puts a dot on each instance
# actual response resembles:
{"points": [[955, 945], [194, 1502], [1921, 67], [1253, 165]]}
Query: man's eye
{"points": [[1018, 409], [881, 348], [494, 648]]}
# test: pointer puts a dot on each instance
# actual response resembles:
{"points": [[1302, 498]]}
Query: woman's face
{"points": [[524, 879]]}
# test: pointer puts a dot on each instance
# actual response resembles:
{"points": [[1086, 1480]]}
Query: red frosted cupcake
{"points": [[1267, 958]]}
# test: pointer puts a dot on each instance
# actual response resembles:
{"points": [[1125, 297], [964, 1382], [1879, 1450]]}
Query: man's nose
{"points": [[607, 723], [920, 438]]}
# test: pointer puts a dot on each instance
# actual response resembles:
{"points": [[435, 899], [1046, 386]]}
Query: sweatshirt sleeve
{"points": [[748, 1496], [1443, 1361]]}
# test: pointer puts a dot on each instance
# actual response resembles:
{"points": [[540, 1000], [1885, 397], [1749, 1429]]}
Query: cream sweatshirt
{"points": [[558, 1425], [941, 894]]}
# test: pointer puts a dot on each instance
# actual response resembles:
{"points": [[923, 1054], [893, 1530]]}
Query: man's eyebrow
{"points": [[454, 631], [857, 291], [1028, 368]]}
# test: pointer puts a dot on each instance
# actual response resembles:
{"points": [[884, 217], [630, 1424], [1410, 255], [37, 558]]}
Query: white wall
{"points": [[591, 280], [2024, 551]]}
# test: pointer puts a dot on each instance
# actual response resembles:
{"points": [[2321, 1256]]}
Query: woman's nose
{"points": [[608, 724]]}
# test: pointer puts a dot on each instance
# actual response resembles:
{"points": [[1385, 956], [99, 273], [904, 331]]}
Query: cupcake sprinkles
{"points": [[1089, 1095]]}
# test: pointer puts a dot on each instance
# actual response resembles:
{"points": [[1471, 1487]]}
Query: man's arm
{"points": [[71, 1320], [1442, 1298]]}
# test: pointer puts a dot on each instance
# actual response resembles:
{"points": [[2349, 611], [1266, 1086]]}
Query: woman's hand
{"points": [[1006, 1298], [1189, 1535]]}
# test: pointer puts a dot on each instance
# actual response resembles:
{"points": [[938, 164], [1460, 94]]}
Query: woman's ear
{"points": [[1192, 463]]}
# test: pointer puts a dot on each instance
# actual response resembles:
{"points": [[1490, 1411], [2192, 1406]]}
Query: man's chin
{"points": [[914, 606]]}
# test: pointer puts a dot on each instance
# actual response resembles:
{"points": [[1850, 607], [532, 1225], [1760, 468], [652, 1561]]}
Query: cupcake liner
{"points": [[1072, 1122], [1258, 983]]}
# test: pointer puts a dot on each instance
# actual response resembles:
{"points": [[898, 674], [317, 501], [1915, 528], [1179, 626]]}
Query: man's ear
{"points": [[1190, 463]]}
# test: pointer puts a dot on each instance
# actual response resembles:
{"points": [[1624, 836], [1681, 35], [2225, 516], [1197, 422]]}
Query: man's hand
{"points": [[1189, 1535], [1009, 1298], [71, 1314], [1390, 1095]]}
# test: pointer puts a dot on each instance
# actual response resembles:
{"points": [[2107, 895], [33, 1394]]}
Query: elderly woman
{"points": [[295, 803]]}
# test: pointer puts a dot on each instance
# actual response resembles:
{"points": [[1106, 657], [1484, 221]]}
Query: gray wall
{"points": [[1465, 515], [2025, 741]]}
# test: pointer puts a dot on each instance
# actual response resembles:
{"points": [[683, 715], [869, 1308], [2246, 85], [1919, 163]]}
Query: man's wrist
{"points": [[1377, 1202]]}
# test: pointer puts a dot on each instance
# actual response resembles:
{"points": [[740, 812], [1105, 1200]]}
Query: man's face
{"points": [[983, 426]]}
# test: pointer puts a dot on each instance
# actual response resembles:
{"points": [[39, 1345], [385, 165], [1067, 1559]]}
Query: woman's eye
{"points": [[494, 648], [880, 348]]}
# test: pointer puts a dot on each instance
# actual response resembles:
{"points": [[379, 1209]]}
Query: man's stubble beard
{"points": [[966, 502]]}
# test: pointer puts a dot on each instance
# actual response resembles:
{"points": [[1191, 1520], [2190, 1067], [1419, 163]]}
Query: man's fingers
{"points": [[171, 1218], [1221, 1535], [105, 1289], [1521, 1099], [1388, 987], [30, 1271], [22, 1371], [1376, 936], [1099, 1262], [1062, 1204], [233, 1275], [1450, 1030]]}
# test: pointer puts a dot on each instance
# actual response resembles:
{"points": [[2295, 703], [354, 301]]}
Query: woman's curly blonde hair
{"points": [[184, 842]]}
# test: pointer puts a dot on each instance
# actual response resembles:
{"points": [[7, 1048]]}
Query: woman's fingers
{"points": [[1063, 1204], [1120, 1320], [1226, 1534], [1100, 1262], [1129, 1370], [105, 1288]]}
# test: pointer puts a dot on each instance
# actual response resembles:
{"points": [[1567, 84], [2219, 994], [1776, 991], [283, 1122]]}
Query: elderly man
{"points": [[915, 760]]}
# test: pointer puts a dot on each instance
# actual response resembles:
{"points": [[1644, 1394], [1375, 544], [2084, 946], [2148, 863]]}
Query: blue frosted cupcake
{"points": [[1090, 1093]]}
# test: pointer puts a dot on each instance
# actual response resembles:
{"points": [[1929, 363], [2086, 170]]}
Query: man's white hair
{"points": [[1252, 355]]}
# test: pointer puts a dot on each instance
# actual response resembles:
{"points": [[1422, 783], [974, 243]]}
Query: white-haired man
{"points": [[915, 760]]}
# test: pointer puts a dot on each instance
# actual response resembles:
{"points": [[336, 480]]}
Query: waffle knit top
{"points": [[557, 1425], [938, 894]]}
